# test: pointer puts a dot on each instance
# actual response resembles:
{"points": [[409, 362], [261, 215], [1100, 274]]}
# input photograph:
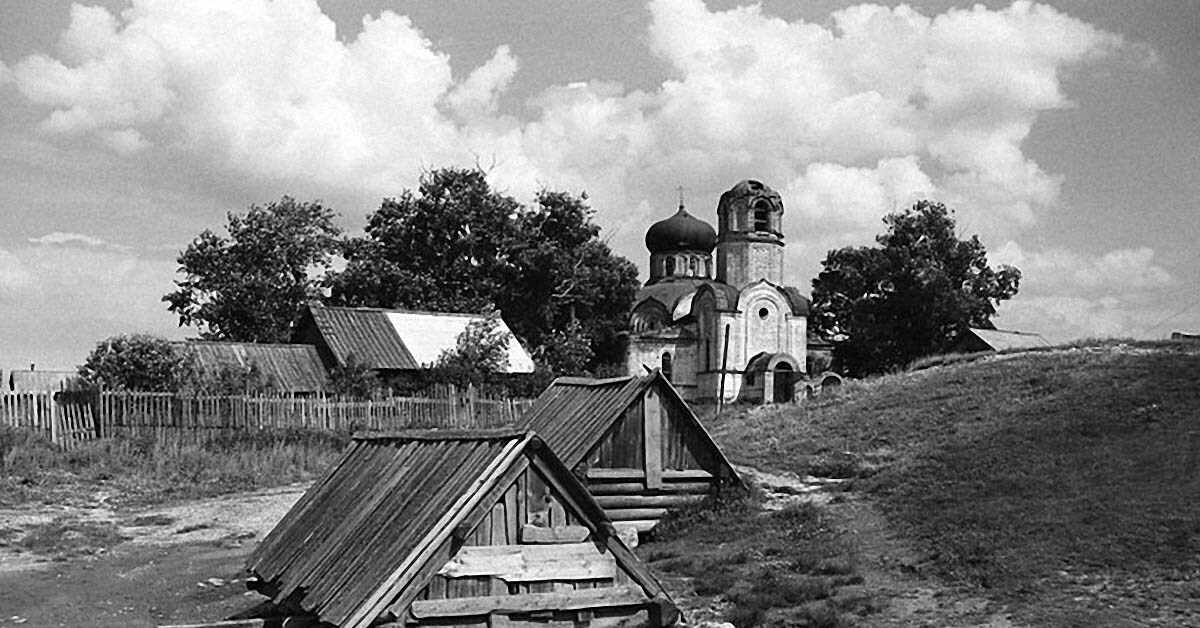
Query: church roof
{"points": [[681, 232]]}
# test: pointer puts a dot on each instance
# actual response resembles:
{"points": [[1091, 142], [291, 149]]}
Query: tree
{"points": [[480, 350], [250, 285], [911, 296], [136, 362], [457, 245], [354, 379]]}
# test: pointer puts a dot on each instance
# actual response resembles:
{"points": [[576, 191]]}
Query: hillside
{"points": [[1063, 483]]}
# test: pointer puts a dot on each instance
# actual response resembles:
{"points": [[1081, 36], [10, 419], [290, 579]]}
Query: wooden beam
{"points": [[526, 563], [626, 488], [653, 425], [256, 622], [627, 533], [640, 526], [687, 474], [596, 473], [529, 602], [634, 514], [535, 535], [645, 501]]}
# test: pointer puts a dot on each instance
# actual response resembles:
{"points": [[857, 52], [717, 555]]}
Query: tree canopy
{"points": [[913, 295], [454, 244], [250, 285], [136, 362]]}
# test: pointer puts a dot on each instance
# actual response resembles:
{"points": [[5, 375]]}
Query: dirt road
{"points": [[89, 565]]}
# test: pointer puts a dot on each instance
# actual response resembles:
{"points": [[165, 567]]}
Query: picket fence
{"points": [[68, 418]]}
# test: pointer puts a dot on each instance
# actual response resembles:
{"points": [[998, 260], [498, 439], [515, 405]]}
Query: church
{"points": [[738, 335]]}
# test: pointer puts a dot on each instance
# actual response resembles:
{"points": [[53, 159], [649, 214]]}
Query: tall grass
{"points": [[148, 470]]}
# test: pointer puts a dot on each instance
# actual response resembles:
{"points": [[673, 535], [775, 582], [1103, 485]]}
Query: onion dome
{"points": [[681, 232]]}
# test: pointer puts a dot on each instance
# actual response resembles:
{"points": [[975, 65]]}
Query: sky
{"points": [[1063, 134]]}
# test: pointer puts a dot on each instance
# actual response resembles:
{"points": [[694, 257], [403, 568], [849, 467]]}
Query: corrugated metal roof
{"points": [[1001, 340], [291, 367], [574, 414], [401, 339], [355, 527], [336, 552]]}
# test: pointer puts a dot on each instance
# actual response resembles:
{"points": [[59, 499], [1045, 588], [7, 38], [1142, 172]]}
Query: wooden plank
{"points": [[640, 526], [268, 622], [624, 488], [526, 563], [634, 514], [645, 501], [627, 533], [615, 474], [557, 534], [686, 474], [529, 602], [652, 423]]}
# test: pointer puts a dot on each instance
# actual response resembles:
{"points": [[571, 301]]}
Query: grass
{"points": [[775, 569], [1015, 470], [66, 538], [147, 470]]}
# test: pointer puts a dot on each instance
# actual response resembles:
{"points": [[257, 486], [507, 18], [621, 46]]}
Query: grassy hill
{"points": [[1065, 483]]}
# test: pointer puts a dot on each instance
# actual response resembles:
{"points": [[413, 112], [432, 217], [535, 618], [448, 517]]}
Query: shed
{"points": [[39, 381], [291, 368], [477, 528], [976, 340], [635, 441], [391, 341]]}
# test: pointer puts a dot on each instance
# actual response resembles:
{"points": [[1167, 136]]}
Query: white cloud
{"points": [[66, 238], [267, 89], [1061, 272]]}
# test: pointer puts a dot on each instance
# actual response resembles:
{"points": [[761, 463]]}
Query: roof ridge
{"points": [[403, 311], [500, 433], [591, 381]]}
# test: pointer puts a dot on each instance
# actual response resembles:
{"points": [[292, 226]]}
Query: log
{"points": [[634, 514], [645, 501], [629, 488], [640, 526], [627, 533], [686, 474], [597, 473], [535, 535], [529, 602], [525, 563]]}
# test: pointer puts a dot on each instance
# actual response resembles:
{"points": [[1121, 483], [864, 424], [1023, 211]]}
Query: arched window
{"points": [[691, 267], [670, 269], [666, 365], [762, 216]]}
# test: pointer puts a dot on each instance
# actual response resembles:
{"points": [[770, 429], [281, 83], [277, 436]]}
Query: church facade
{"points": [[729, 329]]}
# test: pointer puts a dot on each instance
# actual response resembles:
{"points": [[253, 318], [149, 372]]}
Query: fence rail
{"points": [[68, 418]]}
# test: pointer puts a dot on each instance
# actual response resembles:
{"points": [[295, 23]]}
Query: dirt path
{"points": [[92, 565], [890, 568]]}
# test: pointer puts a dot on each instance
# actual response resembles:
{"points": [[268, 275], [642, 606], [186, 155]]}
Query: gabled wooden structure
{"points": [[436, 528], [634, 441]]}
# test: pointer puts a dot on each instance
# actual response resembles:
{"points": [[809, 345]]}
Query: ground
{"points": [[183, 563]]}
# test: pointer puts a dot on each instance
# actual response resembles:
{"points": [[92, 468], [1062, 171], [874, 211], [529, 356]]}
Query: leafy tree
{"points": [[911, 296], [227, 379], [354, 379], [136, 362], [480, 350], [457, 245], [250, 285]]}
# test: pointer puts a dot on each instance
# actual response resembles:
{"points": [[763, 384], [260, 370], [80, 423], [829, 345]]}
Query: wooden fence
{"points": [[68, 418]]}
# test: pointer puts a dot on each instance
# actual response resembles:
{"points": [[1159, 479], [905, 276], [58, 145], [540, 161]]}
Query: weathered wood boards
{"points": [[529, 602], [525, 563]]}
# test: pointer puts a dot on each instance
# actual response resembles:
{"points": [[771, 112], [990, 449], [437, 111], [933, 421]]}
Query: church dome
{"points": [[681, 232]]}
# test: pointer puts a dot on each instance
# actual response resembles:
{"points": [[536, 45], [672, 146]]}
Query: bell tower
{"points": [[750, 235]]}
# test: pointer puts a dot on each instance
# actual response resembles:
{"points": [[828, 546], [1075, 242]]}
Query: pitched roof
{"points": [[38, 381], [1000, 340], [353, 543], [290, 367], [575, 413], [401, 339]]}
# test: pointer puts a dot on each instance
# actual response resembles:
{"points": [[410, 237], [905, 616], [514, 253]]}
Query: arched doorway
{"points": [[785, 381]]}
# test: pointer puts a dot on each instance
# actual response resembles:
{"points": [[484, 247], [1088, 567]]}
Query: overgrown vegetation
{"points": [[775, 569], [150, 470], [1016, 474]]}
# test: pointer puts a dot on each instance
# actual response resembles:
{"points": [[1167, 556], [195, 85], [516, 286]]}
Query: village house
{"points": [[465, 528], [392, 343], [294, 369], [976, 340], [635, 443], [729, 330]]}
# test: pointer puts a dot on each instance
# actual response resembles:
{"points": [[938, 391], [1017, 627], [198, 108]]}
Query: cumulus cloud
{"points": [[883, 98], [63, 238], [1062, 272]]}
